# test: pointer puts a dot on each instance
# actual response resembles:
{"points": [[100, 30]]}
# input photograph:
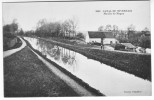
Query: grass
{"points": [[71, 42], [26, 76], [138, 65]]}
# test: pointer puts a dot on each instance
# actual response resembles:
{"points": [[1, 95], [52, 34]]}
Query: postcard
{"points": [[77, 48]]}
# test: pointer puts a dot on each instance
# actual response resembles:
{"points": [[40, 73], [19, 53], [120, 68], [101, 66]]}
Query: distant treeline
{"points": [[68, 29], [130, 35], [65, 29]]}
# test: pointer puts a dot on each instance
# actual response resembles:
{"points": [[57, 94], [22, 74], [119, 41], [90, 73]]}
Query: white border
{"points": [[76, 98]]}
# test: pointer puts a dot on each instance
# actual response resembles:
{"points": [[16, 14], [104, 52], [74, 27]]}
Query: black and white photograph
{"points": [[76, 48]]}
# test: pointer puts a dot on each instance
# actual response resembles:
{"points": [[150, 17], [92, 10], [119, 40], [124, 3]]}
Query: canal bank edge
{"points": [[143, 70], [79, 81]]}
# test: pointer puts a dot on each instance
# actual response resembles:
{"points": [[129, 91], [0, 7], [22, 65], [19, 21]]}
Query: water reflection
{"points": [[57, 53], [104, 78]]}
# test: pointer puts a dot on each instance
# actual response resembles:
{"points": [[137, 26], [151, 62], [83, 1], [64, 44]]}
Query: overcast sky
{"points": [[28, 14]]}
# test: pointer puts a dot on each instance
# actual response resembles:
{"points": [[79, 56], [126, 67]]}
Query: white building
{"points": [[97, 36]]}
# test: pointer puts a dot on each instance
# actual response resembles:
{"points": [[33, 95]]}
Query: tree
{"points": [[53, 29], [46, 29], [145, 41], [6, 29], [57, 29], [101, 28], [108, 28], [10, 29], [115, 30], [62, 30], [29, 33], [122, 36], [74, 25], [14, 26], [80, 35], [66, 28], [69, 27], [21, 32], [41, 23], [130, 30]]}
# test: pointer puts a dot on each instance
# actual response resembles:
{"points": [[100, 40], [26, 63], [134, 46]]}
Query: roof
{"points": [[99, 34], [129, 45]]}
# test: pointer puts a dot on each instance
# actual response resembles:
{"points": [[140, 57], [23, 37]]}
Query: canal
{"points": [[106, 79]]}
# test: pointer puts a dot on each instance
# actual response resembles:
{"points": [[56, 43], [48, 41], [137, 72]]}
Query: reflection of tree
{"points": [[68, 57], [50, 49], [65, 59], [42, 46], [64, 56], [71, 58], [57, 53]]}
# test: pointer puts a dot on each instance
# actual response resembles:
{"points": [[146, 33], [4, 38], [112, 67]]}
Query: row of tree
{"points": [[66, 29], [138, 38]]}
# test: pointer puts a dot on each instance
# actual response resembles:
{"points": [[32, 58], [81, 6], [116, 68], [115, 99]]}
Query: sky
{"points": [[28, 14]]}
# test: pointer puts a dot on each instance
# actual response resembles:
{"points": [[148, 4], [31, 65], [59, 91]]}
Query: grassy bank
{"points": [[138, 65], [26, 76]]}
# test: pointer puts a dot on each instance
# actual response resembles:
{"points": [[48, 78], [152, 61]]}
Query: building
{"points": [[98, 36], [129, 46]]}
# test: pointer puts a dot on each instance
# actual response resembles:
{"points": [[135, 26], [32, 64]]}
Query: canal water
{"points": [[106, 79]]}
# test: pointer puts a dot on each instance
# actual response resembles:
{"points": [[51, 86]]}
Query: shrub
{"points": [[119, 47]]}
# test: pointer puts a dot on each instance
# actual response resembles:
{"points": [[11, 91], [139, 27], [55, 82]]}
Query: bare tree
{"points": [[108, 28], [101, 28], [131, 30], [115, 30], [41, 23], [69, 27], [74, 25], [62, 31], [66, 28], [14, 26]]}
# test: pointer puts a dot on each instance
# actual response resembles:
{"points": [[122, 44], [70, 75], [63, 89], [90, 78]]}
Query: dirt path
{"points": [[12, 51]]}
